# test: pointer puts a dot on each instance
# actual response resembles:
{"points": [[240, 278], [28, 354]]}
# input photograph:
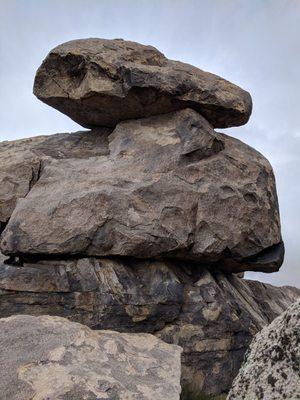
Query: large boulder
{"points": [[272, 367], [99, 82], [53, 358], [212, 316], [162, 187]]}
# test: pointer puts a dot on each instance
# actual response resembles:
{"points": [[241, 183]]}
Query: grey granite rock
{"points": [[100, 82], [271, 370], [52, 358]]}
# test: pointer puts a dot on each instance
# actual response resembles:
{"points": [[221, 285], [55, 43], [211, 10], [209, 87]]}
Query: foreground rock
{"points": [[211, 315], [272, 367], [52, 358], [162, 187], [99, 82]]}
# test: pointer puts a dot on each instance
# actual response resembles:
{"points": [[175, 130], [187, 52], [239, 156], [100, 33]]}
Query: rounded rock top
{"points": [[100, 82]]}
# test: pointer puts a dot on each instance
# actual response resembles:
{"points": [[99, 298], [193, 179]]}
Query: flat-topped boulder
{"points": [[100, 82], [167, 186], [52, 358]]}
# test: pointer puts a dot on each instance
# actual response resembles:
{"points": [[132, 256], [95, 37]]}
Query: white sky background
{"points": [[253, 43]]}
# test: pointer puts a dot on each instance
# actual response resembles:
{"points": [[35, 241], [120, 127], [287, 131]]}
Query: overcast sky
{"points": [[253, 43]]}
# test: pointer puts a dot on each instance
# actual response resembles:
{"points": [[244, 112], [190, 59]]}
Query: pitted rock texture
{"points": [[52, 358], [271, 370], [212, 316], [162, 187], [99, 82]]}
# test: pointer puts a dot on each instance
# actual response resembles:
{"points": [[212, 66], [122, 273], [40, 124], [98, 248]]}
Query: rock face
{"points": [[99, 82], [212, 316], [52, 358], [163, 187], [272, 367]]}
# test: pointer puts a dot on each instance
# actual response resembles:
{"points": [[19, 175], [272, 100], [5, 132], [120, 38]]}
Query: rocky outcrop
{"points": [[139, 226], [272, 368], [212, 316], [53, 358], [162, 187], [99, 82]]}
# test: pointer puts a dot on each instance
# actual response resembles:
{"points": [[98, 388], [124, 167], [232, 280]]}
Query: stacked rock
{"points": [[139, 223]]}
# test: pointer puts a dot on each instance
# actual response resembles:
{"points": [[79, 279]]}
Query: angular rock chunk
{"points": [[100, 82], [21, 161], [212, 316], [272, 369], [53, 358], [170, 187]]}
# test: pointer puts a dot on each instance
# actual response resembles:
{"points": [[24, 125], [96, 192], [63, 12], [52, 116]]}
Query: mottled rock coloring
{"points": [[212, 316], [272, 366], [52, 358]]}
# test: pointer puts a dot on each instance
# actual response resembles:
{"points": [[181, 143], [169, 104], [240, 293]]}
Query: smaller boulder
{"points": [[100, 82], [53, 358], [271, 370]]}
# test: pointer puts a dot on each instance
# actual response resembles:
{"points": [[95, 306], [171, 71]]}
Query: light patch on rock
{"points": [[51, 357]]}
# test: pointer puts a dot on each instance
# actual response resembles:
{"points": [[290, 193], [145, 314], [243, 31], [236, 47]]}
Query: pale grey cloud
{"points": [[253, 43]]}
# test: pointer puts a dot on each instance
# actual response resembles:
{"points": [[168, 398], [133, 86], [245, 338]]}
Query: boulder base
{"points": [[212, 316]]}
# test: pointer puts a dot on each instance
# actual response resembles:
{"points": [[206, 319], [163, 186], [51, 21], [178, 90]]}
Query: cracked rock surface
{"points": [[99, 82], [272, 366], [167, 186], [52, 358]]}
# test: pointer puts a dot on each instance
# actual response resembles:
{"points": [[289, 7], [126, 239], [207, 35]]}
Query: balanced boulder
{"points": [[53, 358], [99, 82], [167, 186]]}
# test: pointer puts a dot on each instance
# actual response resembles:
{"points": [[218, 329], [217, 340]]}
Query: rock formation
{"points": [[141, 223], [272, 367], [52, 358]]}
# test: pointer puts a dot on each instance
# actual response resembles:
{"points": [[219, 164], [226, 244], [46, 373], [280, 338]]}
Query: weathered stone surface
{"points": [[211, 315], [170, 187], [52, 358], [272, 367], [99, 82], [21, 161]]}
